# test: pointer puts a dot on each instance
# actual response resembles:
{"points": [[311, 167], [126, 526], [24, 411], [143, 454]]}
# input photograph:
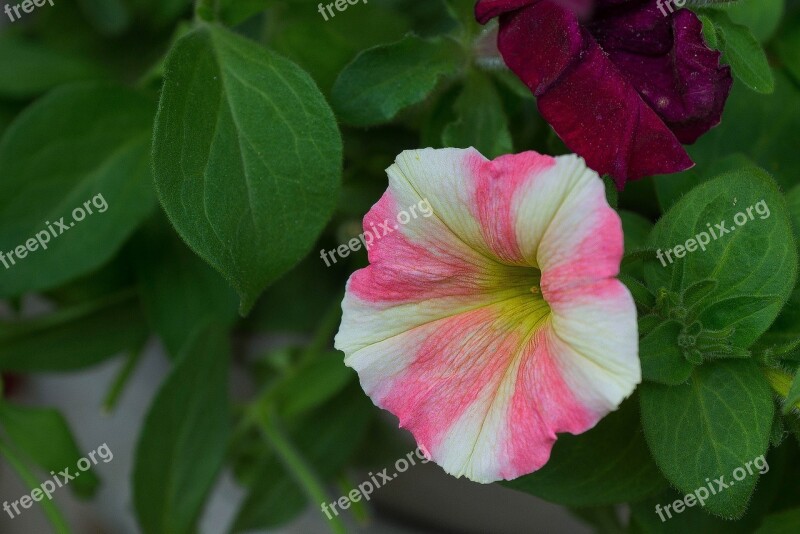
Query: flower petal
{"points": [[591, 104], [447, 327], [668, 62]]}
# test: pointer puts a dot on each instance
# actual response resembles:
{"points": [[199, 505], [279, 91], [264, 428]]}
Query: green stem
{"points": [[302, 473], [121, 380], [205, 10], [50, 509]]}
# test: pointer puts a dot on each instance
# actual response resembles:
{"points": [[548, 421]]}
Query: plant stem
{"points": [[51, 511], [205, 10], [121, 380], [303, 474]]}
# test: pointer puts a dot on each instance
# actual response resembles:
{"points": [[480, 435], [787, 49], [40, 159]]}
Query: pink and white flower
{"points": [[498, 322]]}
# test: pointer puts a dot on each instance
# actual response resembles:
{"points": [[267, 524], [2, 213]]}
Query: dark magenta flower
{"points": [[623, 82]]}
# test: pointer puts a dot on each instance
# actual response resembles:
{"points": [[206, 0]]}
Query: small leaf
{"points": [[312, 385], [382, 81], [743, 52], [247, 157], [707, 428], [43, 435], [754, 269], [185, 434], [663, 361]]}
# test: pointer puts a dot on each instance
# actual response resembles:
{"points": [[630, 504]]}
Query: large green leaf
{"points": [[754, 268], [708, 428], [75, 183], [608, 464], [247, 157], [382, 81], [43, 435], [29, 68], [72, 338], [185, 434]]}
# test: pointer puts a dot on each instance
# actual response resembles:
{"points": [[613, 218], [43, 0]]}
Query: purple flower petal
{"points": [[623, 87]]}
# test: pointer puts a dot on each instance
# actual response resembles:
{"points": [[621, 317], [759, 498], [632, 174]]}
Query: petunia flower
{"points": [[623, 82], [497, 322]]}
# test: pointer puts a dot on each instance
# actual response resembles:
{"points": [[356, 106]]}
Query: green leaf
{"points": [[233, 12], [382, 81], [79, 157], [185, 434], [662, 359], [785, 522], [761, 16], [160, 13], [743, 52], [72, 338], [481, 122], [786, 327], [110, 17], [312, 385], [709, 31], [29, 69], [247, 157], [753, 267], [43, 435], [608, 464], [718, 422], [336, 41], [178, 290]]}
